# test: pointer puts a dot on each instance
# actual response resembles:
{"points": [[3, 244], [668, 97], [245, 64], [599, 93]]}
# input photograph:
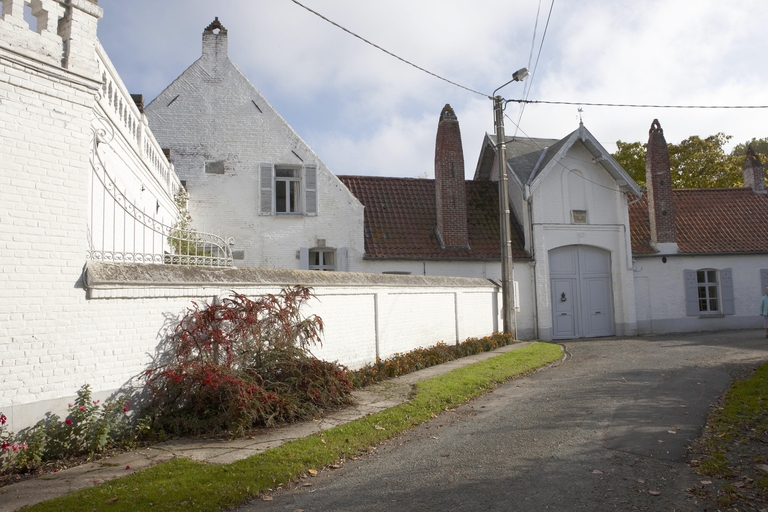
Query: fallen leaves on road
{"points": [[597, 472], [266, 498], [654, 493], [312, 472]]}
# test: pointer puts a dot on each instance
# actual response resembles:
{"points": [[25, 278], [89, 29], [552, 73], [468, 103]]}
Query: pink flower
{"points": [[24, 446], [125, 409], [96, 402], [69, 405], [15, 447], [82, 407], [5, 446], [127, 467], [68, 421], [3, 419]]}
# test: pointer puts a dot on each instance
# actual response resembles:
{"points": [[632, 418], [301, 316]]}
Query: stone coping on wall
{"points": [[106, 279]]}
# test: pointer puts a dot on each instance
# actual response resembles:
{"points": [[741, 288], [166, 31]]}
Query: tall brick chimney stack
{"points": [[754, 172], [215, 46], [450, 188], [661, 205]]}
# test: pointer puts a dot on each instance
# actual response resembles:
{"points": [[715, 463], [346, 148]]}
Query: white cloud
{"points": [[364, 112]]}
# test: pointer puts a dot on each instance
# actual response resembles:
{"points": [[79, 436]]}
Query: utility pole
{"points": [[507, 266]]}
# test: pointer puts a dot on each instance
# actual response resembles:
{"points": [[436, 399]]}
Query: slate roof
{"points": [[708, 221], [400, 219]]}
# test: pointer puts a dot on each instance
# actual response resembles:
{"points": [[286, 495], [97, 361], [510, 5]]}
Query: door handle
{"points": [[597, 312], [562, 297]]}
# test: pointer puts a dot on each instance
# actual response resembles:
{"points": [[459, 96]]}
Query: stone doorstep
{"points": [[371, 400]]}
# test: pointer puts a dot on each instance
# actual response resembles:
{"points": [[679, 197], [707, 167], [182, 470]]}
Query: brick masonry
{"points": [[661, 205], [450, 191]]}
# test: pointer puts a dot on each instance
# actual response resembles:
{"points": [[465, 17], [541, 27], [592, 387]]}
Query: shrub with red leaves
{"points": [[242, 363]]}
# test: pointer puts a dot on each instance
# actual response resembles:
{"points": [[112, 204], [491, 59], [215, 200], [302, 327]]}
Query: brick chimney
{"points": [[450, 189], [215, 46], [754, 173], [661, 205]]}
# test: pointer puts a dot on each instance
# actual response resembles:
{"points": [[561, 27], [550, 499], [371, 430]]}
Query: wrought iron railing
{"points": [[120, 231]]}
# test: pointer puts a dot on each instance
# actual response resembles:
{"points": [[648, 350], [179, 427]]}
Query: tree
{"points": [[631, 157], [694, 162], [702, 163]]}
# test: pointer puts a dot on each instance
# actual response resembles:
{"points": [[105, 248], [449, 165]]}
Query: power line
{"points": [[388, 52], [529, 84], [630, 105], [525, 101]]}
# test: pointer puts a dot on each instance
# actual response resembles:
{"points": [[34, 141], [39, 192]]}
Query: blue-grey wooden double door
{"points": [[582, 292]]}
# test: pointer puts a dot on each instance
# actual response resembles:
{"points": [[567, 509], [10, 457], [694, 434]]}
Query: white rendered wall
{"points": [[660, 293], [607, 228], [112, 336]]}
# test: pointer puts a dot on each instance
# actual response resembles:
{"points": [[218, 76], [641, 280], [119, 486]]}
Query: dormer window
{"points": [[288, 190]]}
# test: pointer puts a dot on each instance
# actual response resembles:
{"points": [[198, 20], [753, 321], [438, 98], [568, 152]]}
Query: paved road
{"points": [[597, 431]]}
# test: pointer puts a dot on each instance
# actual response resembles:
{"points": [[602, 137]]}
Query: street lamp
{"points": [[507, 267]]}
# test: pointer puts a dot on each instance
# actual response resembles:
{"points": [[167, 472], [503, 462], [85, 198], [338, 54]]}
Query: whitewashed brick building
{"points": [[249, 174]]}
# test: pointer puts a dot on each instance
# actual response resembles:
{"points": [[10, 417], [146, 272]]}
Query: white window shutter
{"points": [[516, 295], [341, 259], [265, 179], [304, 258], [726, 291], [691, 293], [310, 189]]}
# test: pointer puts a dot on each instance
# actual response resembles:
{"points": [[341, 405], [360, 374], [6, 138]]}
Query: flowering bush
{"points": [[242, 363], [10, 449], [90, 427], [402, 364]]}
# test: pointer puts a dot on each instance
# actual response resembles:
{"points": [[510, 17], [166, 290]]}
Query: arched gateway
{"points": [[582, 292]]}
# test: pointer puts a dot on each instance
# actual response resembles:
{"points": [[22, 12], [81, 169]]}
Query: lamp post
{"points": [[507, 266]]}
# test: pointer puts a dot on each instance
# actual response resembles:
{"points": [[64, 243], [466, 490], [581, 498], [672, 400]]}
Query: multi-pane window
{"points": [[287, 190], [320, 259], [706, 281]]}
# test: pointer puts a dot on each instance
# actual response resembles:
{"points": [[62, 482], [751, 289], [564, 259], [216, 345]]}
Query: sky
{"points": [[366, 113]]}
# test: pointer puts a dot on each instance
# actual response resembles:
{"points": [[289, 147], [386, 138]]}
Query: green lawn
{"points": [[185, 485]]}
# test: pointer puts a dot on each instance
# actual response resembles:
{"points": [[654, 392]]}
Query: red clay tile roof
{"points": [[709, 221], [400, 219]]}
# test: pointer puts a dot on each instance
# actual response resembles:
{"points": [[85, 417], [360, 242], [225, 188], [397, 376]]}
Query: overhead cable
{"points": [[386, 51], [630, 105]]}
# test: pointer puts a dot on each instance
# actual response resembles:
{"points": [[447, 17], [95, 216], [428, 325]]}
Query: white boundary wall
{"points": [[111, 333]]}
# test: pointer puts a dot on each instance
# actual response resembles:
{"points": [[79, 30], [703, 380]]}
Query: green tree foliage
{"points": [[702, 163], [694, 162], [631, 157]]}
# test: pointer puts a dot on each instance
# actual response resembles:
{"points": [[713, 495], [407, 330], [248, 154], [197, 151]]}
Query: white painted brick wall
{"points": [[108, 340], [218, 119], [660, 293]]}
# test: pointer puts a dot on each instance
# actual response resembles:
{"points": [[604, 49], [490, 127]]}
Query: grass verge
{"points": [[185, 485], [733, 447]]}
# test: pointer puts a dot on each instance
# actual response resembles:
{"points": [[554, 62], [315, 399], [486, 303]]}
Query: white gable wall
{"points": [[607, 228], [214, 114]]}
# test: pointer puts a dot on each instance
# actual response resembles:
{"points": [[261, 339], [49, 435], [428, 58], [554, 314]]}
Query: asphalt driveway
{"points": [[605, 429]]}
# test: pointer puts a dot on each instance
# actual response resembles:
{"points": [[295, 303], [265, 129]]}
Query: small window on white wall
{"points": [[288, 190], [323, 259], [709, 291]]}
